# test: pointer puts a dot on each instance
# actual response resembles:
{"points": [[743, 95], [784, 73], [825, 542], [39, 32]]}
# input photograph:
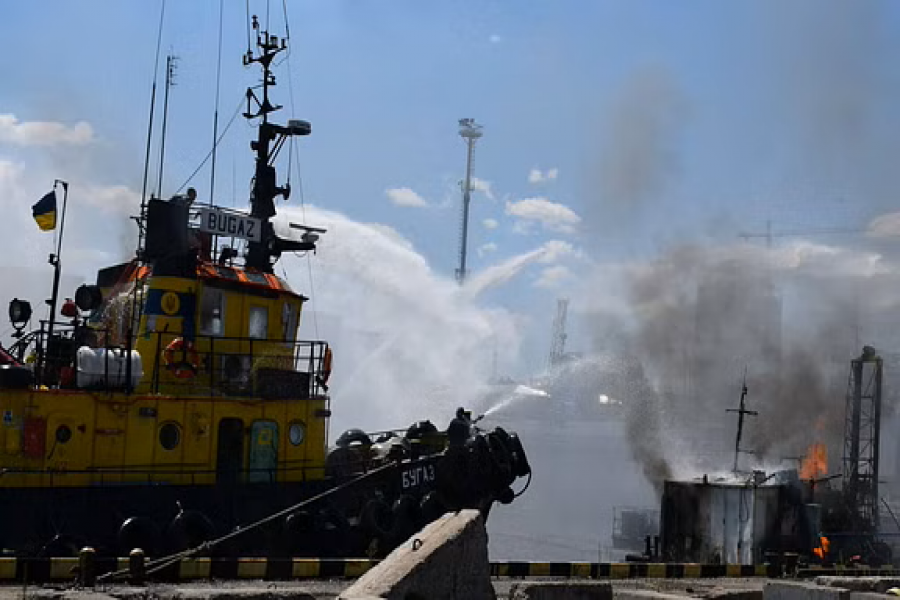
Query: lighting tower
{"points": [[470, 131]]}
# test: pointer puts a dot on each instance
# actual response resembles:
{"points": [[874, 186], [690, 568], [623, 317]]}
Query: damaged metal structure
{"points": [[751, 518]]}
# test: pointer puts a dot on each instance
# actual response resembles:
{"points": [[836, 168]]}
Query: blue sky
{"points": [[661, 122]]}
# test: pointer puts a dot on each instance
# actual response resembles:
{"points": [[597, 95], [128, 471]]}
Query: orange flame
{"points": [[815, 463], [822, 550]]}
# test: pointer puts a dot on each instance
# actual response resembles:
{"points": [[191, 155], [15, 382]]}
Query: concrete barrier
{"points": [[787, 590], [448, 559], [562, 590], [878, 585], [639, 594]]}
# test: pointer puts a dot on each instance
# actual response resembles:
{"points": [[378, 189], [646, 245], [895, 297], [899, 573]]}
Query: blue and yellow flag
{"points": [[44, 212]]}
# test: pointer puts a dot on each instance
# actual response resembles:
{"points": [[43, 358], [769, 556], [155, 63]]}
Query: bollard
{"points": [[137, 568], [87, 576]]}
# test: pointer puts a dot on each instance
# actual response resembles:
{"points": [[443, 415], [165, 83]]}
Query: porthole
{"points": [[297, 433], [169, 436], [63, 434]]}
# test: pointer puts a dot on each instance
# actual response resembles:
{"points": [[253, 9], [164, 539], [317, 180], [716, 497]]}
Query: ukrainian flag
{"points": [[44, 212]]}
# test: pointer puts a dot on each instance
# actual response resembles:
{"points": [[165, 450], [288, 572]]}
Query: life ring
{"points": [[189, 361], [326, 365]]}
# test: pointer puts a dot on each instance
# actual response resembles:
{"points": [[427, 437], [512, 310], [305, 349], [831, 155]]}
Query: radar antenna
{"points": [[261, 255]]}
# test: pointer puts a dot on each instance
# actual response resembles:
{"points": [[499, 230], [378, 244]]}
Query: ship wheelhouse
{"points": [[174, 369]]}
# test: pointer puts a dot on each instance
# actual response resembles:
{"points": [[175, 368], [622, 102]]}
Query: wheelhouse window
{"points": [[258, 323], [289, 321], [212, 312]]}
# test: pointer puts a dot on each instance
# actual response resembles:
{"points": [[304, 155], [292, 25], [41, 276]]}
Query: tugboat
{"points": [[171, 403]]}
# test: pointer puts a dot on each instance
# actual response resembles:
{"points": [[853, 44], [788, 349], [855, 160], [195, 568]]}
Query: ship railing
{"points": [[51, 358], [240, 366], [218, 365]]}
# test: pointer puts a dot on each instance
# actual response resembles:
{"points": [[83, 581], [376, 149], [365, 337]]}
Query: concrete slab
{"points": [[562, 590], [860, 584], [639, 594], [787, 590], [750, 588], [446, 560], [225, 590]]}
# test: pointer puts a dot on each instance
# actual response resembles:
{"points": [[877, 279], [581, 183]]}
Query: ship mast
{"points": [[269, 142]]}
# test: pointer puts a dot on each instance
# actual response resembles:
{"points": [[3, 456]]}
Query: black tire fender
{"points": [[406, 518], [139, 532], [189, 529], [376, 518], [500, 457], [521, 467], [298, 534], [432, 507]]}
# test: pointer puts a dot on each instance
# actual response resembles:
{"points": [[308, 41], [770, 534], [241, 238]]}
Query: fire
{"points": [[815, 463], [822, 549]]}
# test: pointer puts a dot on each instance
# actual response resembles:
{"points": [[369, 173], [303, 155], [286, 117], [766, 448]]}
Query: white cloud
{"points": [[480, 185], [551, 215], [523, 227], [405, 197], [553, 277], [43, 133], [495, 39], [110, 198], [537, 176], [487, 248], [887, 225], [490, 223]]}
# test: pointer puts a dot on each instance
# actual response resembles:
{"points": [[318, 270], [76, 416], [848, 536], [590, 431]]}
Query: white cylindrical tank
{"points": [[106, 368]]}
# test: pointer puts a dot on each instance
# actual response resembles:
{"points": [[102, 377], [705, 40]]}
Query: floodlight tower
{"points": [[470, 131]]}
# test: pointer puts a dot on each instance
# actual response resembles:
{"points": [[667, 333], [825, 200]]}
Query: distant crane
{"points": [[470, 131], [769, 234], [558, 336]]}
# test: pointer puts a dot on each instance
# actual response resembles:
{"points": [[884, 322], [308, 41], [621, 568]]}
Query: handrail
{"points": [[298, 366], [302, 357]]}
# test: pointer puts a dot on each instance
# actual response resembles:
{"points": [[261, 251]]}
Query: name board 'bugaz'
{"points": [[230, 224]]}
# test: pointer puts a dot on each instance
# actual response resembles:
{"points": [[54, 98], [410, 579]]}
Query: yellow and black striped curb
{"points": [[850, 571], [626, 570], [41, 570]]}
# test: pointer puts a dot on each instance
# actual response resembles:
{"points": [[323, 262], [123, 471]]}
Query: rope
{"points": [[212, 176], [312, 287], [218, 141], [159, 564], [527, 483], [292, 157]]}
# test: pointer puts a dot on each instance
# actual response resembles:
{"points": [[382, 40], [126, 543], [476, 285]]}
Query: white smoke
{"points": [[410, 344]]}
